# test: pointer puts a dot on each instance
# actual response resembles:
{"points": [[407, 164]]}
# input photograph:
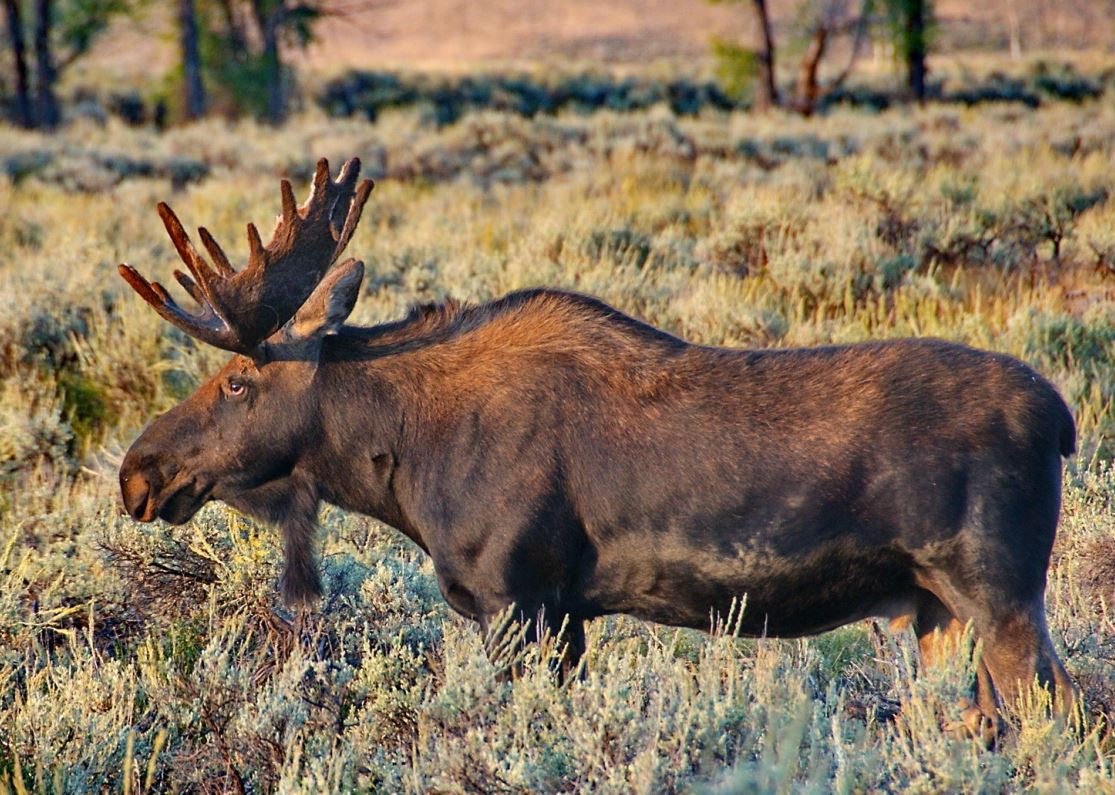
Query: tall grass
{"points": [[150, 658]]}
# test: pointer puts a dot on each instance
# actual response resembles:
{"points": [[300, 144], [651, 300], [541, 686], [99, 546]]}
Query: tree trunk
{"points": [[1013, 31], [46, 74], [808, 87], [276, 99], [766, 90], [238, 42], [917, 46], [863, 24], [24, 115], [191, 60], [269, 16]]}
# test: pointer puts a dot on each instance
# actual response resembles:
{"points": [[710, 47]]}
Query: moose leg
{"points": [[507, 633], [1017, 648], [1016, 645], [940, 635]]}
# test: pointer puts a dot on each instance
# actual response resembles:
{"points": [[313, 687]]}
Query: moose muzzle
{"points": [[149, 494], [136, 491]]}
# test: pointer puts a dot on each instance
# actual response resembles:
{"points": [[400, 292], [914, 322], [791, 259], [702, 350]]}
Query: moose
{"points": [[559, 458]]}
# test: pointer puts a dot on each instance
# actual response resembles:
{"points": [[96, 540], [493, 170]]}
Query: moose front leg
{"points": [[508, 633]]}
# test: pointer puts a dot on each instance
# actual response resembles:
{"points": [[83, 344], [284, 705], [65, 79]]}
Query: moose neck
{"points": [[400, 402], [363, 443]]}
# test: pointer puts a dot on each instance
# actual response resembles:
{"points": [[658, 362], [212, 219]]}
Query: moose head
{"points": [[238, 437]]}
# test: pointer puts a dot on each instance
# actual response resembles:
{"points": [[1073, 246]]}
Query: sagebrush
{"points": [[160, 656]]}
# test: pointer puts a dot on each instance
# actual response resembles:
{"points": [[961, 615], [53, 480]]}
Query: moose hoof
{"points": [[974, 724]]}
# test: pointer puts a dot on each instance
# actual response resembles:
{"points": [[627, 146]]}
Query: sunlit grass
{"points": [[160, 657]]}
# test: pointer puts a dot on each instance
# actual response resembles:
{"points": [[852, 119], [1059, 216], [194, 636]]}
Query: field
{"points": [[455, 35], [144, 658]]}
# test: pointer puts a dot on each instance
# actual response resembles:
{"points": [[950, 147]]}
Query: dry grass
{"points": [[454, 35], [157, 658]]}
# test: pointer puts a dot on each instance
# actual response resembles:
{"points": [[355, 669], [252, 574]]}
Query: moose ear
{"points": [[329, 305]]}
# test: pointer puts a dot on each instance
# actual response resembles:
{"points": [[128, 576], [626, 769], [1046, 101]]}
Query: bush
{"points": [[34, 433], [1064, 82], [129, 649], [370, 93]]}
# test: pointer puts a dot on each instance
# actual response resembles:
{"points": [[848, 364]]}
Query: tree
{"points": [[24, 116], [911, 23], [766, 93], [193, 87], [243, 44], [62, 31], [47, 112], [753, 67], [823, 21], [271, 17], [817, 24]]}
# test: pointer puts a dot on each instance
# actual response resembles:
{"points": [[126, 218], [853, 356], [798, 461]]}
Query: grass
{"points": [[149, 658]]}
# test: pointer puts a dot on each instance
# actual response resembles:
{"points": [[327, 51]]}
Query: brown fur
{"points": [[552, 453]]}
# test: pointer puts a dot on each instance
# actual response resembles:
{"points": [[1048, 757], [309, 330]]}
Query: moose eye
{"points": [[236, 388]]}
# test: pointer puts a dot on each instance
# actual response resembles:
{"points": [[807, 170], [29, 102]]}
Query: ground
{"points": [[161, 657]]}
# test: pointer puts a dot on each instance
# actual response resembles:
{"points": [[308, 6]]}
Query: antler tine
{"points": [[342, 191], [353, 218], [290, 206], [191, 287], [139, 284], [350, 170], [198, 266], [256, 252], [207, 326], [319, 192], [319, 198], [346, 180], [220, 259]]}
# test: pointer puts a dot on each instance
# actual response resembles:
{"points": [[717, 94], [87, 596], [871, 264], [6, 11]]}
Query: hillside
{"points": [[627, 31], [455, 34]]}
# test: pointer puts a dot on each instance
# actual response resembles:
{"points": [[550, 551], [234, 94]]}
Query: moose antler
{"points": [[240, 309]]}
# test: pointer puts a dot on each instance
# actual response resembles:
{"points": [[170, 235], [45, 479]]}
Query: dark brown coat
{"points": [[550, 452]]}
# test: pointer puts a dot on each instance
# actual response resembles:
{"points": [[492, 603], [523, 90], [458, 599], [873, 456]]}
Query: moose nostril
{"points": [[136, 491]]}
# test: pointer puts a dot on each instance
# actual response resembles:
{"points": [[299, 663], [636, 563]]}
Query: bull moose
{"points": [[552, 453]]}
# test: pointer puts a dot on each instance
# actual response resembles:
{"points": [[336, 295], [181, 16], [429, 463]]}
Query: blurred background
{"points": [[173, 60]]}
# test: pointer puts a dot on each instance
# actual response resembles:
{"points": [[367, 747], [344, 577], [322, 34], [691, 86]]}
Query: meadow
{"points": [[148, 658]]}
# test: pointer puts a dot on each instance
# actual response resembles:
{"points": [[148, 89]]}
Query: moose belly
{"points": [[783, 595]]}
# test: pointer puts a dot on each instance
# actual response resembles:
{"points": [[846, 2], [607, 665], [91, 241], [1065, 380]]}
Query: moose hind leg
{"points": [[940, 639], [996, 575], [1016, 643], [1017, 648]]}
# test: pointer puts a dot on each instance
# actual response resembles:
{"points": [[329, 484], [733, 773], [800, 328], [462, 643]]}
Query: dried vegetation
{"points": [[152, 658]]}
